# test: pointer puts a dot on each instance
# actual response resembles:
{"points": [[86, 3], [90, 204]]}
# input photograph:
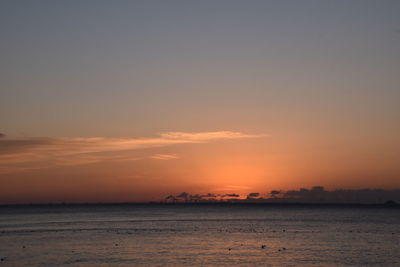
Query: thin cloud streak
{"points": [[207, 136], [78, 151], [164, 156]]}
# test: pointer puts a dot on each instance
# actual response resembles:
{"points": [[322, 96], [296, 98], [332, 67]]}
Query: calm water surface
{"points": [[199, 236]]}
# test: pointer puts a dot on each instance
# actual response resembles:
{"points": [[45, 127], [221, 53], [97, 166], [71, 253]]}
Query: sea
{"points": [[199, 235]]}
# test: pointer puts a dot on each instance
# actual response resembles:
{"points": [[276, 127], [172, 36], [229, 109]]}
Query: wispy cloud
{"points": [[164, 156], [207, 136], [77, 151]]}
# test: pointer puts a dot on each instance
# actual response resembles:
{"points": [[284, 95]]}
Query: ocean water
{"points": [[168, 235]]}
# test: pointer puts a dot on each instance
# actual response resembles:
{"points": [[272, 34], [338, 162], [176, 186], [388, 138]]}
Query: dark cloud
{"points": [[191, 198], [318, 194], [231, 195], [22, 145], [183, 195], [251, 195], [170, 197]]}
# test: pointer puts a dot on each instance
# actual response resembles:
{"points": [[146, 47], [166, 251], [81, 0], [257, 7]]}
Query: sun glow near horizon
{"points": [[130, 100], [143, 169]]}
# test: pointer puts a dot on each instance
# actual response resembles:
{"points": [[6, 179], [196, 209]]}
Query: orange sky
{"points": [[142, 169]]}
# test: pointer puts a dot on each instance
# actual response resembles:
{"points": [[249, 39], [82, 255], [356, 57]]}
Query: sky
{"points": [[108, 101]]}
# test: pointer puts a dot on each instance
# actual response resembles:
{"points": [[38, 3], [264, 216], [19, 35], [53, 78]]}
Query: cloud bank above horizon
{"points": [[69, 151]]}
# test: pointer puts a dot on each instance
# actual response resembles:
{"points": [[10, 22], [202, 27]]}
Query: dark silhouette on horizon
{"points": [[316, 194]]}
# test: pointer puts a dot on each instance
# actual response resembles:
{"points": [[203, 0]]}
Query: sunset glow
{"points": [[137, 100]]}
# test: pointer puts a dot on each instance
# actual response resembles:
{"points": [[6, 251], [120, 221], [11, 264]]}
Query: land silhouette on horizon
{"points": [[315, 195]]}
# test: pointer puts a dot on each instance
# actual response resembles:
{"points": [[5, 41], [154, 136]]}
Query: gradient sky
{"points": [[135, 100]]}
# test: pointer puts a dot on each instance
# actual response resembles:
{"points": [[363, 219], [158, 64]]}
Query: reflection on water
{"points": [[199, 236]]}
